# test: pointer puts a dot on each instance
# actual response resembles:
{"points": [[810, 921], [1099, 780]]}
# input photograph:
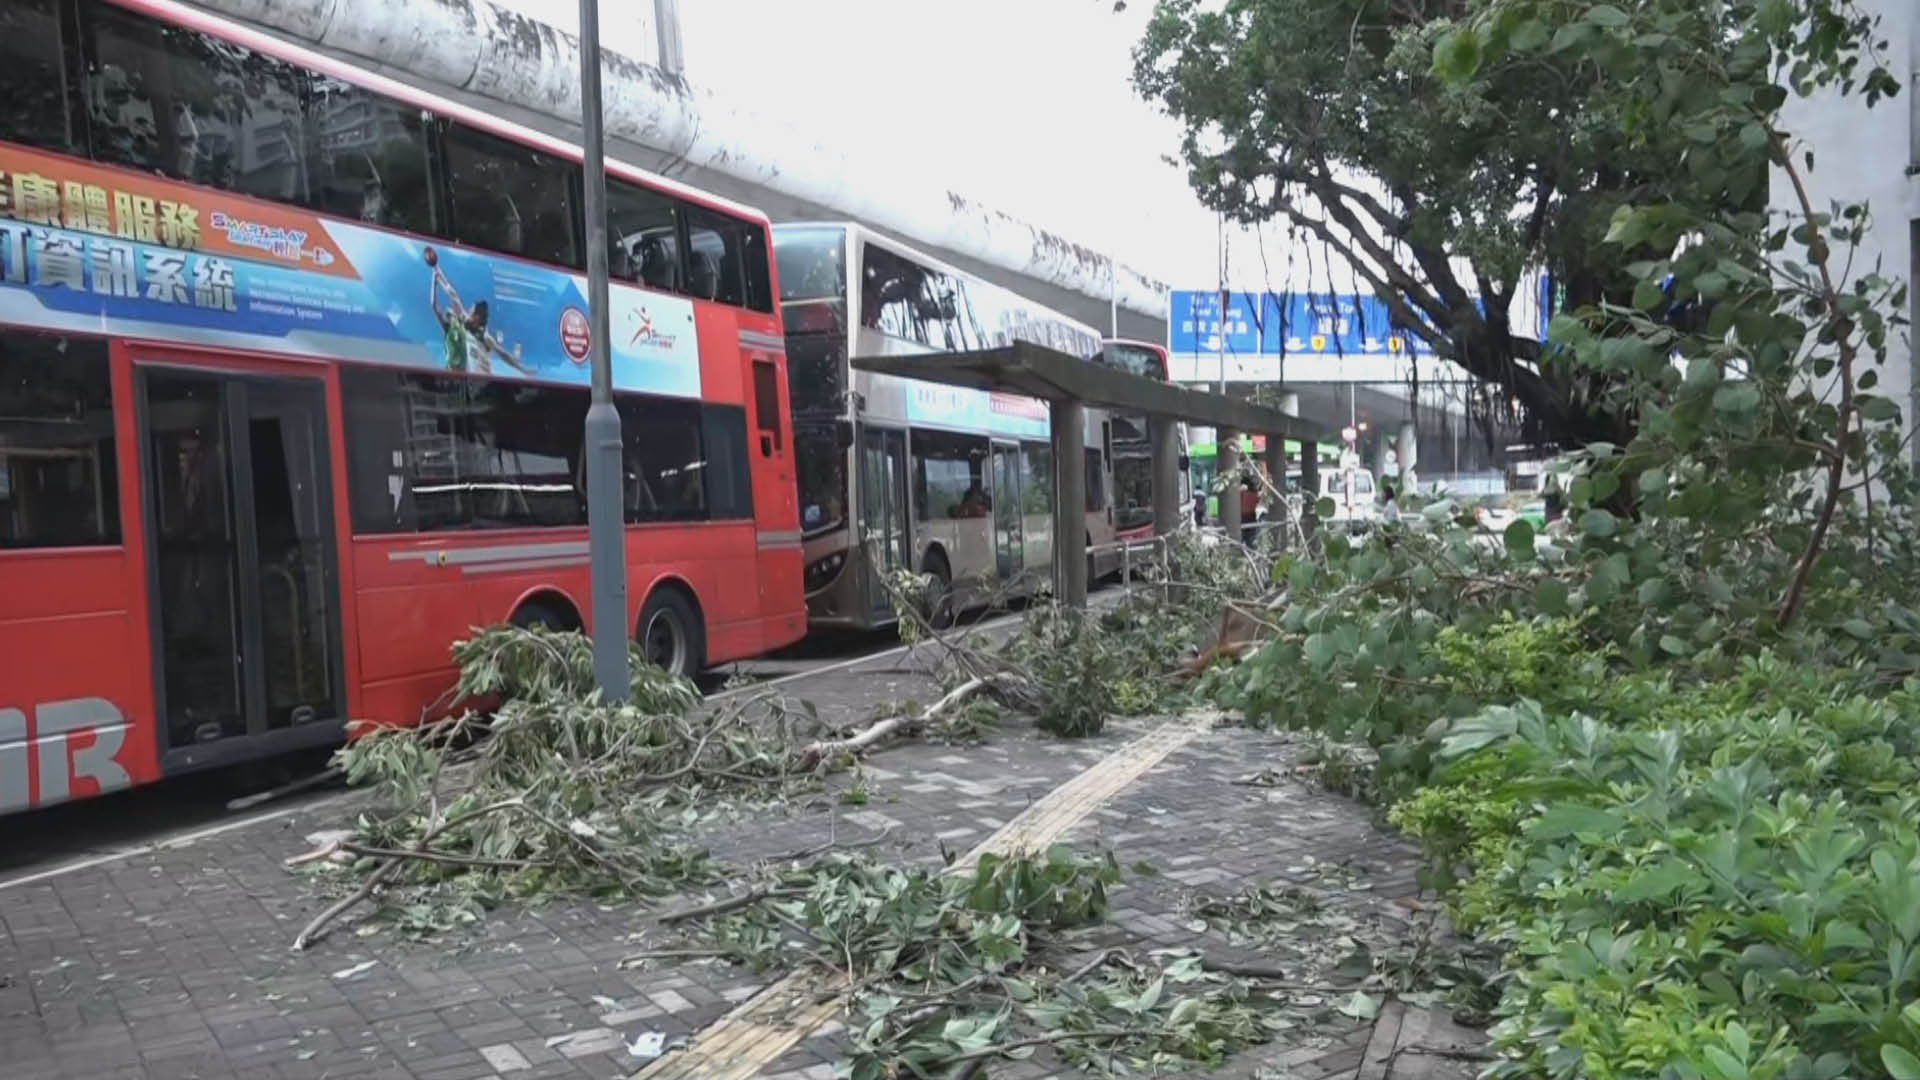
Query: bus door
{"points": [[241, 567], [776, 511], [883, 512], [1009, 526]]}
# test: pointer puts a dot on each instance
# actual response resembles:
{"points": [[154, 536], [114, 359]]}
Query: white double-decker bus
{"points": [[954, 483]]}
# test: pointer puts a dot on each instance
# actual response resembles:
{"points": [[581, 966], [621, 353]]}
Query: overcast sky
{"points": [[1026, 105]]}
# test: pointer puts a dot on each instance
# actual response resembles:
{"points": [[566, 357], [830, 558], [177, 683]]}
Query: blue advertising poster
{"points": [[89, 249]]}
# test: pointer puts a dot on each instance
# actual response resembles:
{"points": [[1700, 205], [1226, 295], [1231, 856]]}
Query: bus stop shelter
{"points": [[1070, 386]]}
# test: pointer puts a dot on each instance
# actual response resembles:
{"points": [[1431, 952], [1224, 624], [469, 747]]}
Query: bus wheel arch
{"points": [[672, 628], [546, 607]]}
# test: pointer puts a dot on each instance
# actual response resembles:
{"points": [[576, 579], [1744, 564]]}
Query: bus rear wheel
{"points": [[669, 634]]}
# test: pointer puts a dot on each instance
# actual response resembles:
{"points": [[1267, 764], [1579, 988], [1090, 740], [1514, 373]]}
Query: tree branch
{"points": [[1842, 329]]}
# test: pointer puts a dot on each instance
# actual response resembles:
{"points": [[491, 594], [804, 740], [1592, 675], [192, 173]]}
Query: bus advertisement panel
{"points": [[964, 408], [90, 249]]}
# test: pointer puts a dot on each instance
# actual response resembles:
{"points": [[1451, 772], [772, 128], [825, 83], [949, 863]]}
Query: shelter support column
{"points": [[1167, 511], [1279, 522], [1069, 502], [1309, 483], [1228, 441]]}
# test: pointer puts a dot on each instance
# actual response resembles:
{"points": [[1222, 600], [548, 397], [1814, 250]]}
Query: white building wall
{"points": [[1869, 155]]}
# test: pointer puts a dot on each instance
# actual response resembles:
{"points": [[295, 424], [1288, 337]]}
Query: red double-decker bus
{"points": [[293, 374]]}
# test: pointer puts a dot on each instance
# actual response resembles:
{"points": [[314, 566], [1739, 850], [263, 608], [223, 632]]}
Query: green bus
{"points": [[1203, 465]]}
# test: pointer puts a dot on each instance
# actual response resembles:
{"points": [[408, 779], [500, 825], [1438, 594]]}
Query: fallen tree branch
{"points": [[385, 870], [673, 954], [833, 845], [731, 903], [1050, 1039], [812, 755], [449, 858]]}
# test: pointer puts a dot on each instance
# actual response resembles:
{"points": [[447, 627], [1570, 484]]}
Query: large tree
{"points": [[1333, 118]]}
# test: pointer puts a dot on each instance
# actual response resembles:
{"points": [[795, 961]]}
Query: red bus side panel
{"points": [[76, 714]]}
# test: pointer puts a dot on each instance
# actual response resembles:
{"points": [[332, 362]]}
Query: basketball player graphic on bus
{"points": [[471, 346]]}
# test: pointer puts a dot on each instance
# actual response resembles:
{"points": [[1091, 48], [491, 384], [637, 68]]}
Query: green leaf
{"points": [[1879, 409], [1528, 36], [1320, 650], [1457, 56], [1324, 509], [1739, 1042], [1658, 882], [1551, 596], [1648, 295], [1726, 1065], [1900, 1062], [1860, 629], [1519, 537], [1361, 1006], [1674, 646], [1608, 16], [1566, 38], [1702, 372], [1573, 819], [1737, 398], [1599, 523]]}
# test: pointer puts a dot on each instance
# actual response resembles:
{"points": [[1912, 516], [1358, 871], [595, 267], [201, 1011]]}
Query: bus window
{"points": [[644, 229], [716, 252], [511, 199], [949, 475], [723, 435], [368, 157], [58, 478], [1096, 483], [813, 264], [174, 101], [666, 463], [33, 88]]}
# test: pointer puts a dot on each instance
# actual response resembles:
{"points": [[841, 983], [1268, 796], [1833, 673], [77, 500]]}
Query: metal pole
{"points": [[1069, 427], [666, 28], [606, 510], [1113, 297], [1220, 343]]}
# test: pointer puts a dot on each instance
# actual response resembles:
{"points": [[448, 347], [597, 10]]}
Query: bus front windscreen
{"points": [[1135, 360], [813, 263]]}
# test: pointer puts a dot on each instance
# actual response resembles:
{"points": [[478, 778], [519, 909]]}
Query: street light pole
{"points": [[606, 510]]}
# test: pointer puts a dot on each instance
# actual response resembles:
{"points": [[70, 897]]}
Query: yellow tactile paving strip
{"points": [[765, 1026]]}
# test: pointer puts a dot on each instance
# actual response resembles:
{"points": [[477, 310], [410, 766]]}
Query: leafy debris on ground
{"points": [[949, 971], [566, 794]]}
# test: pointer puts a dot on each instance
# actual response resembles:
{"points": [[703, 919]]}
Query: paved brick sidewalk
{"points": [[177, 963]]}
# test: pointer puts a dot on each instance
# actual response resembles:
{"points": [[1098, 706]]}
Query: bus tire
{"points": [[670, 633], [939, 590], [543, 613]]}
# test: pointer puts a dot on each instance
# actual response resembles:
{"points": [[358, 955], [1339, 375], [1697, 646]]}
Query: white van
{"points": [[1353, 510]]}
